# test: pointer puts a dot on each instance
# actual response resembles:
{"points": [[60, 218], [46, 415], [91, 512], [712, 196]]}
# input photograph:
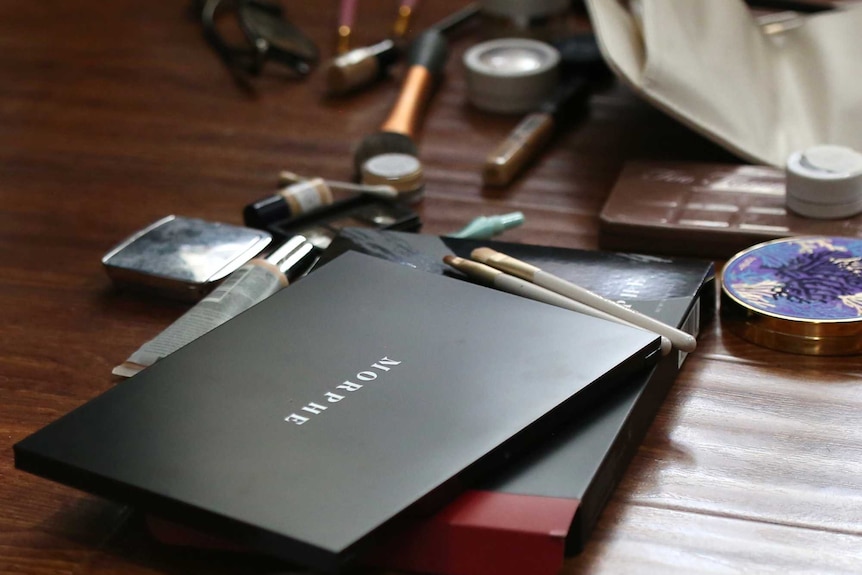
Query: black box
{"points": [[363, 394], [542, 507]]}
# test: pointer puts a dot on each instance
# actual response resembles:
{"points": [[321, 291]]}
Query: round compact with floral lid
{"points": [[797, 294]]}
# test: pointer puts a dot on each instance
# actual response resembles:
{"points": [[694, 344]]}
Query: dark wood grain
{"points": [[113, 114]]}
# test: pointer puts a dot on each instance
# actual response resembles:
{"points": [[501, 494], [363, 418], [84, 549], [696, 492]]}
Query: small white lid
{"points": [[825, 182], [511, 75]]}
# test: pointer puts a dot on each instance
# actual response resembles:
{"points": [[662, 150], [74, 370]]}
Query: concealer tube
{"points": [[290, 201], [248, 285]]}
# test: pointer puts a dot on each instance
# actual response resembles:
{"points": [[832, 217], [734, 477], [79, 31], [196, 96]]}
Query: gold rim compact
{"points": [[797, 294]]}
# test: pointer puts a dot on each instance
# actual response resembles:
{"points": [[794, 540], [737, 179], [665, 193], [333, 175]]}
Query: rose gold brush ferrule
{"points": [[416, 91]]}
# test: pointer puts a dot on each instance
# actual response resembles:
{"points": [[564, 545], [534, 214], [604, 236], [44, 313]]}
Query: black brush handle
{"points": [[429, 50], [426, 60]]}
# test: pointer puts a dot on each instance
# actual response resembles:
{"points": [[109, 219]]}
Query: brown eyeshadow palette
{"points": [[704, 210]]}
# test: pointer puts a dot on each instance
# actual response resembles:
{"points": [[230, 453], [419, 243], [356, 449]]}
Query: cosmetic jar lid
{"points": [[401, 171], [824, 182], [511, 75], [797, 294]]}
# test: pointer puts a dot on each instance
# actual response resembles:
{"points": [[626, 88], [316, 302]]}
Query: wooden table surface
{"points": [[116, 113]]}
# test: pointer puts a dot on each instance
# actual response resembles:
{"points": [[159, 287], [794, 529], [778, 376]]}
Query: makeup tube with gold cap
{"points": [[798, 294], [533, 133]]}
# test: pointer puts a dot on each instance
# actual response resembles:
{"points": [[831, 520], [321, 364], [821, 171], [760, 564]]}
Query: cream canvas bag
{"points": [[712, 65]]}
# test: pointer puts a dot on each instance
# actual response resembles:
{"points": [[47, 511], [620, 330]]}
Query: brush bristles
{"points": [[382, 143]]}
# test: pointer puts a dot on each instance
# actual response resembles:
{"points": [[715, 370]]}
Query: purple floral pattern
{"points": [[811, 278]]}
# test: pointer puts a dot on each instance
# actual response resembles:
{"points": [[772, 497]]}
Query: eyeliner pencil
{"points": [[514, 285], [680, 339]]}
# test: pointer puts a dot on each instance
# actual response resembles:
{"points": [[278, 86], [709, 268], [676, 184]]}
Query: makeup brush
{"points": [[502, 281], [680, 339], [362, 66], [426, 59], [346, 17]]}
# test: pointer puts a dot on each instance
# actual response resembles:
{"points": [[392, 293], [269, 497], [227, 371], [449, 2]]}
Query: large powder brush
{"points": [[426, 60]]}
